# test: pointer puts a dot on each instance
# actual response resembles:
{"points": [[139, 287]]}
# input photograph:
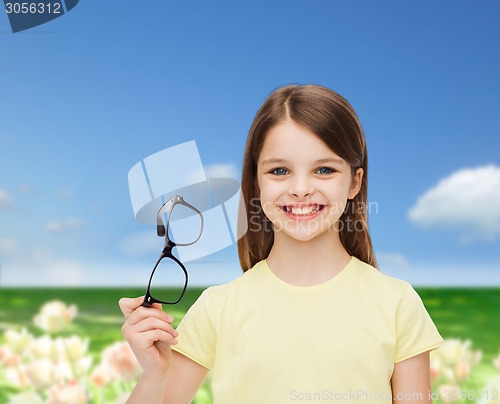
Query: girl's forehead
{"points": [[289, 141]]}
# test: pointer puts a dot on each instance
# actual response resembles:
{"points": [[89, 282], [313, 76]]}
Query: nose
{"points": [[300, 187]]}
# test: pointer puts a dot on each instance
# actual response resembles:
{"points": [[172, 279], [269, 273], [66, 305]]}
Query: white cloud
{"points": [[217, 170], [41, 267], [44, 267], [6, 200], [64, 226], [392, 261], [8, 245], [453, 274], [28, 189], [467, 200], [65, 194], [141, 244], [62, 272], [221, 171], [440, 274]]}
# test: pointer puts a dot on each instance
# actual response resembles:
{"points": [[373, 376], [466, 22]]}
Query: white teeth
{"points": [[308, 210]]}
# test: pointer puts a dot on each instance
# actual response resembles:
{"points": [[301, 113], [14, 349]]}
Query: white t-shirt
{"points": [[270, 342]]}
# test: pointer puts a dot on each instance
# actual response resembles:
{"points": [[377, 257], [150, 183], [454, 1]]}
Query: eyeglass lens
{"points": [[168, 281], [184, 224]]}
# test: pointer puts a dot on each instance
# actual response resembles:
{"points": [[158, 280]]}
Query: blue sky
{"points": [[86, 96]]}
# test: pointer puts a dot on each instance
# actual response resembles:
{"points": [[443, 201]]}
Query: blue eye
{"points": [[325, 170], [280, 171]]}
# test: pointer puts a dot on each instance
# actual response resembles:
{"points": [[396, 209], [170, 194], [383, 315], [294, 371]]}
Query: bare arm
{"points": [[180, 387], [411, 381], [184, 380], [168, 377]]}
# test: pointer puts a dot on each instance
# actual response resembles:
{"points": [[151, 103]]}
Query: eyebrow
{"points": [[337, 160]]}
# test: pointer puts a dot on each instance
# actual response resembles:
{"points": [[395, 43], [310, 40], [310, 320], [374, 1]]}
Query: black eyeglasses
{"points": [[168, 266]]}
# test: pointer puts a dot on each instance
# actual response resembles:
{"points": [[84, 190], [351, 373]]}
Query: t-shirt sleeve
{"points": [[416, 332], [197, 336]]}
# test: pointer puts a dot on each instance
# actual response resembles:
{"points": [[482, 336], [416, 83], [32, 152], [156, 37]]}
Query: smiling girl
{"points": [[312, 318]]}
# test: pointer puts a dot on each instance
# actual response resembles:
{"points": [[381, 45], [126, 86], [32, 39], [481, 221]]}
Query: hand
{"points": [[149, 332]]}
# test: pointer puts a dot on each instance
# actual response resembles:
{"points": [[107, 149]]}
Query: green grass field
{"points": [[99, 316], [472, 313], [464, 313]]}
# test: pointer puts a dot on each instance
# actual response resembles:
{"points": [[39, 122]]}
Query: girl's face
{"points": [[304, 186]]}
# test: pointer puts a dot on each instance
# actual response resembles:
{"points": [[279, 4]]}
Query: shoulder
{"points": [[378, 282], [388, 294]]}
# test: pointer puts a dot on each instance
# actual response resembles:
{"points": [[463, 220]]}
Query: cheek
{"points": [[336, 208], [337, 196], [269, 194], [267, 203], [267, 189]]}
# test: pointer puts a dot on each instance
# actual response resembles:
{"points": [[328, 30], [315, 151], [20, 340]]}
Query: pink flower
{"points": [[67, 393], [16, 376], [121, 361], [54, 316], [102, 375], [26, 397], [18, 341], [462, 370], [435, 370], [496, 362], [8, 358], [456, 359], [41, 373]]}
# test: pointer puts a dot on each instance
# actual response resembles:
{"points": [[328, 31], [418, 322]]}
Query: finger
{"points": [[142, 313], [151, 323], [149, 338], [129, 305]]}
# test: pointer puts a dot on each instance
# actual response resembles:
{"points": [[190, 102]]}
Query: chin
{"points": [[305, 231], [302, 236]]}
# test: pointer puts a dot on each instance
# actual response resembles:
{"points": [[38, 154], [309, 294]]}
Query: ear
{"points": [[356, 182]]}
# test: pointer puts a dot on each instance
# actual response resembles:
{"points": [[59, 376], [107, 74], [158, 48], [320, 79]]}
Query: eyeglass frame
{"points": [[162, 230]]}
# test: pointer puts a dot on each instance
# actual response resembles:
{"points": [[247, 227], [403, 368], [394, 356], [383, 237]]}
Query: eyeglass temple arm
{"points": [[197, 211], [160, 227]]}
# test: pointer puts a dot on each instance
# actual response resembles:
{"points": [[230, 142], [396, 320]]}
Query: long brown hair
{"points": [[329, 116]]}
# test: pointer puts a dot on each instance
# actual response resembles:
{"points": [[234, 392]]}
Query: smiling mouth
{"points": [[303, 211]]}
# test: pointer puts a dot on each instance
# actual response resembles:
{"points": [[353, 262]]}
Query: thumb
{"points": [[129, 305]]}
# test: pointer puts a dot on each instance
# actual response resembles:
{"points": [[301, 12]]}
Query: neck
{"points": [[306, 263]]}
